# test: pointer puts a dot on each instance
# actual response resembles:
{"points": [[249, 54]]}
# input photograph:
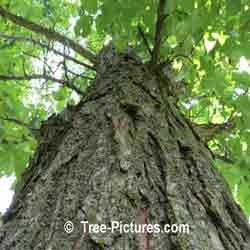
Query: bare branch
{"points": [[49, 34], [141, 33], [159, 25], [66, 83]]}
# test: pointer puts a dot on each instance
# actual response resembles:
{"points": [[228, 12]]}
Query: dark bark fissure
{"points": [[124, 153]]}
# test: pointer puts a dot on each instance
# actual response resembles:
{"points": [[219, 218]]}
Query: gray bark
{"points": [[124, 153]]}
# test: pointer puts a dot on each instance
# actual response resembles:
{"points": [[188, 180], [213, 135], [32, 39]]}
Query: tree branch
{"points": [[79, 75], [49, 34], [18, 122], [4, 141], [141, 33], [66, 83], [7, 45], [34, 131], [223, 158], [208, 131], [43, 45], [159, 25]]}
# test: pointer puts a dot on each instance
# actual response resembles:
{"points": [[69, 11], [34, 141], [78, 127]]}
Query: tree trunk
{"points": [[124, 153]]}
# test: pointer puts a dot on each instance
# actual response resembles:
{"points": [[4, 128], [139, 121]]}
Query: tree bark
{"points": [[124, 153]]}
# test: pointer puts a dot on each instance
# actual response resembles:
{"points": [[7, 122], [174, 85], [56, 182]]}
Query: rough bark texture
{"points": [[125, 153]]}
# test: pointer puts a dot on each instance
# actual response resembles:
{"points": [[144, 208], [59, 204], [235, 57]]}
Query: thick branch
{"points": [[66, 83], [49, 34], [159, 25], [208, 131]]}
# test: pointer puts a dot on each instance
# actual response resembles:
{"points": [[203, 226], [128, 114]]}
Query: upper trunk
{"points": [[125, 153]]}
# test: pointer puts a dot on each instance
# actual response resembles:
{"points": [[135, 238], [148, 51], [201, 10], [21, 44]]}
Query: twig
{"points": [[4, 141], [43, 45], [223, 158], [159, 25], [37, 58], [141, 33], [80, 75], [20, 123], [66, 83], [208, 131], [7, 45]]}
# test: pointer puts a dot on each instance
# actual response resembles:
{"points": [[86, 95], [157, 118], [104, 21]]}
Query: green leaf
{"points": [[61, 94], [90, 5], [231, 173], [84, 25], [172, 41], [244, 196], [243, 104], [233, 7], [242, 79], [187, 5], [215, 81]]}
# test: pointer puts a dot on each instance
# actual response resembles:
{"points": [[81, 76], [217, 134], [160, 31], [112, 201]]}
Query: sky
{"points": [[6, 193]]}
